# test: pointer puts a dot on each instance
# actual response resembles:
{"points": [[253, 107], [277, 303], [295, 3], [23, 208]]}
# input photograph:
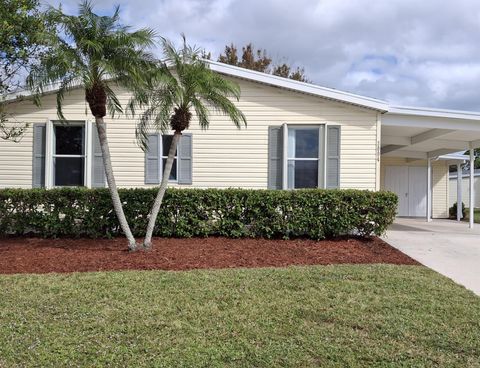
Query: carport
{"points": [[426, 136]]}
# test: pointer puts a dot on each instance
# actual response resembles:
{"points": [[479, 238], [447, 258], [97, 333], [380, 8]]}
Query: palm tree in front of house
{"points": [[97, 53], [186, 87]]}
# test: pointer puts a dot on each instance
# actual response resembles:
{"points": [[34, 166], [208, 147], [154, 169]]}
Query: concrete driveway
{"points": [[446, 246]]}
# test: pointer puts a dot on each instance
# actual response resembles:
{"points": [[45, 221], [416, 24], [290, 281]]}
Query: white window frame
{"points": [[50, 152], [322, 152], [165, 157]]}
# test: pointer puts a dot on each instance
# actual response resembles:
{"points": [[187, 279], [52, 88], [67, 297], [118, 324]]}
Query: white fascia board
{"points": [[294, 85], [431, 112], [49, 89]]}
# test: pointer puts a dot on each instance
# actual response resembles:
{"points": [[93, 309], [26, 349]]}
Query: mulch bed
{"points": [[35, 255]]}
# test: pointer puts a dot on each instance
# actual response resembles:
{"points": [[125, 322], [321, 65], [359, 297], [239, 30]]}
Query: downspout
{"points": [[429, 189], [459, 191], [378, 152], [472, 191]]}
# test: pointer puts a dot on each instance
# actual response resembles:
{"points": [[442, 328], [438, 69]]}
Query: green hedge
{"points": [[315, 214]]}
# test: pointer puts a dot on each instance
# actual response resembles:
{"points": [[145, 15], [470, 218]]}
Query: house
{"points": [[298, 135]]}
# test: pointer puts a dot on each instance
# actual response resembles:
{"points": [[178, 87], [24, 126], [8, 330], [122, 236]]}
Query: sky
{"points": [[408, 52]]}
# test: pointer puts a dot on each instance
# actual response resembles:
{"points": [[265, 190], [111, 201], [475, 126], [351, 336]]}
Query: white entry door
{"points": [[409, 183]]}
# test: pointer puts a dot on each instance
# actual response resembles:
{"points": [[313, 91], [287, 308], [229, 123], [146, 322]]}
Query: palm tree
{"points": [[187, 86], [96, 52]]}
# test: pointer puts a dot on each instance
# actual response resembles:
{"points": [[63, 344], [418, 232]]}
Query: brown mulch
{"points": [[35, 255]]}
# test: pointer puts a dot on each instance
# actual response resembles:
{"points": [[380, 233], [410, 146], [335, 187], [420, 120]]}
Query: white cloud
{"points": [[407, 51]]}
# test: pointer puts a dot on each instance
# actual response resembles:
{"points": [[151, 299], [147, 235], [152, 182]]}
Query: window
{"points": [[156, 156], [303, 159], [166, 142], [68, 155], [304, 156]]}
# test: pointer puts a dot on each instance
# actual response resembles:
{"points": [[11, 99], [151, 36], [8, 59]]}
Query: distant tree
{"points": [[299, 75], [258, 60], [251, 58], [206, 55], [255, 59], [282, 70], [24, 29], [23, 32], [230, 56]]}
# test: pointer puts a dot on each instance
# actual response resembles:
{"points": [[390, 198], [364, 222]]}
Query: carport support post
{"points": [[429, 189], [472, 191], [459, 191]]}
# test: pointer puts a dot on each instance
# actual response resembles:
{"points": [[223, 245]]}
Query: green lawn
{"points": [[376, 315], [476, 213]]}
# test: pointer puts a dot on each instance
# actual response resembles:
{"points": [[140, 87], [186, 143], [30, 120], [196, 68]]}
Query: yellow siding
{"points": [[16, 162], [439, 182], [223, 156], [440, 189]]}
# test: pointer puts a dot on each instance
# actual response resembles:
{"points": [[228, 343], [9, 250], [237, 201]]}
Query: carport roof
{"points": [[421, 133]]}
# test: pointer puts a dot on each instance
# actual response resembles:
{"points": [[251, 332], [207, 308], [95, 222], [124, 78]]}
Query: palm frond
{"points": [[95, 49], [113, 103], [187, 83], [202, 112], [66, 85], [215, 91], [155, 118]]}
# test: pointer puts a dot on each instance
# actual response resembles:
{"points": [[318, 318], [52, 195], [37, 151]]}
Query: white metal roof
{"points": [[264, 78], [393, 113], [294, 85]]}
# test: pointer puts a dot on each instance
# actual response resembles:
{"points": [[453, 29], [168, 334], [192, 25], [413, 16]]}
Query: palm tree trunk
{"points": [[112, 186], [147, 243]]}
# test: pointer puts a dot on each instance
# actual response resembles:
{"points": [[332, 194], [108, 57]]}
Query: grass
{"points": [[375, 315], [476, 215]]}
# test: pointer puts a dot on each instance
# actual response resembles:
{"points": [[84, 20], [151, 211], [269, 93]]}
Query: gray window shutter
{"points": [[98, 169], [38, 169], [152, 159], [275, 157], [333, 157], [185, 159]]}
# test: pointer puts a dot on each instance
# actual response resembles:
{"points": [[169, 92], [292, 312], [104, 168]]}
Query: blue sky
{"points": [[420, 53]]}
